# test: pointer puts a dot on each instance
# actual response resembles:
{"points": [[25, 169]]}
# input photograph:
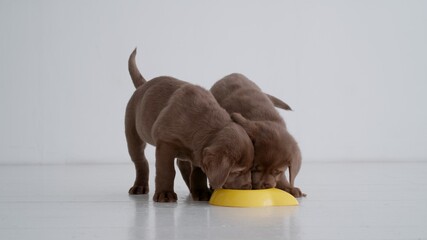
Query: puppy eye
{"points": [[277, 172]]}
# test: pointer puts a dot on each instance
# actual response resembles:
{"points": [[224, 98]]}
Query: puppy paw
{"points": [[136, 190], [201, 194], [165, 196], [296, 192]]}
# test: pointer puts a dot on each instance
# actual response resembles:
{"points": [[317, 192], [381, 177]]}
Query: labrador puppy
{"points": [[275, 149], [184, 121]]}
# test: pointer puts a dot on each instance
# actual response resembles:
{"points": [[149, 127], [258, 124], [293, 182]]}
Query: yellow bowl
{"points": [[252, 198]]}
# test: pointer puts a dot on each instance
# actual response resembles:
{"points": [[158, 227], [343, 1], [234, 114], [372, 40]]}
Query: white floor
{"points": [[345, 201]]}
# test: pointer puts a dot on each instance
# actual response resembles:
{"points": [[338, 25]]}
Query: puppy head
{"points": [[275, 151], [228, 160]]}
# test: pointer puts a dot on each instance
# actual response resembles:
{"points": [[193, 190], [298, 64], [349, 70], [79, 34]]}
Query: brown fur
{"points": [[275, 149], [184, 121]]}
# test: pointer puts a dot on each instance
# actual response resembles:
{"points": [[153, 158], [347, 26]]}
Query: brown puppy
{"points": [[183, 120], [275, 149]]}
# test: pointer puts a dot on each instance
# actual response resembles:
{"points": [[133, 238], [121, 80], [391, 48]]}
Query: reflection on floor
{"points": [[356, 200]]}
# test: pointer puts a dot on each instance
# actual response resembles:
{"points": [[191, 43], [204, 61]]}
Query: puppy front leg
{"points": [[198, 186], [284, 184], [165, 173]]}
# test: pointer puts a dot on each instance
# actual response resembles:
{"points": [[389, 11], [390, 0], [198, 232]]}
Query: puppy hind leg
{"points": [[136, 149]]}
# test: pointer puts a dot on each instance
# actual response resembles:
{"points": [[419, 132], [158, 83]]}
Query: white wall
{"points": [[354, 71]]}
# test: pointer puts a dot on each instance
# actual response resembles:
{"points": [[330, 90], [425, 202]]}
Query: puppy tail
{"points": [[279, 103], [136, 76]]}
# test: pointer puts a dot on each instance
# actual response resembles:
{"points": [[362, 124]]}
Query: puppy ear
{"points": [[249, 126], [278, 103], [216, 168], [294, 167]]}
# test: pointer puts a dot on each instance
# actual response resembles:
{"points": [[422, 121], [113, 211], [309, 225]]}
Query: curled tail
{"points": [[136, 76]]}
